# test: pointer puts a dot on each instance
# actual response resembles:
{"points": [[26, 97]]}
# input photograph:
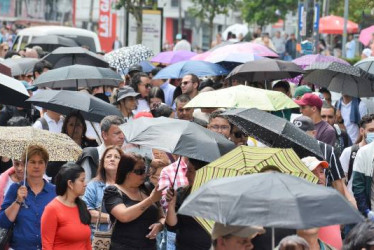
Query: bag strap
{"points": [[100, 211], [44, 123], [352, 157]]}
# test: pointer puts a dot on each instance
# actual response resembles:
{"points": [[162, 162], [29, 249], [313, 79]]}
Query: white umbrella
{"points": [[236, 29], [12, 91]]}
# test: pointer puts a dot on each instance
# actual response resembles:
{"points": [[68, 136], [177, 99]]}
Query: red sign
{"points": [[107, 25]]}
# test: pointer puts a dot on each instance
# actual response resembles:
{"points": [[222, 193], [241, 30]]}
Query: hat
{"points": [[143, 114], [304, 123], [312, 163], [240, 231], [310, 99], [301, 90], [28, 86], [124, 92], [135, 68], [367, 52], [178, 37]]}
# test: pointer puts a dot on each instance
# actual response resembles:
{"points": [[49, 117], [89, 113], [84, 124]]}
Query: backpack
{"points": [[352, 158], [44, 123], [93, 157]]}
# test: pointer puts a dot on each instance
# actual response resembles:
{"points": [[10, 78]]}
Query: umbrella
{"points": [[265, 70], [147, 67], [52, 42], [366, 35], [177, 137], [236, 29], [366, 65], [5, 70], [241, 96], [270, 200], [199, 68], [201, 56], [128, 56], [15, 140], [12, 91], [170, 57], [78, 76], [247, 48], [341, 78], [64, 101], [20, 66], [66, 56], [335, 25], [224, 43], [274, 131]]}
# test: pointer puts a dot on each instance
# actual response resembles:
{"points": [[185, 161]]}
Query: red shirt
{"points": [[61, 228]]}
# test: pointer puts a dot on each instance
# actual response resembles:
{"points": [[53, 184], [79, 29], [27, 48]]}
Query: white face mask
{"points": [[369, 137]]}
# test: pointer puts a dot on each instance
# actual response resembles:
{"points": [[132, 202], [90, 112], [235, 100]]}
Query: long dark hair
{"points": [[101, 174], [79, 117], [70, 172]]}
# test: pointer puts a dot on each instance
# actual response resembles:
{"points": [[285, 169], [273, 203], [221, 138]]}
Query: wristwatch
{"points": [[18, 202]]}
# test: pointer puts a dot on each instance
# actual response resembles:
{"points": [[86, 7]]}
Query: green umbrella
{"points": [[243, 97]]}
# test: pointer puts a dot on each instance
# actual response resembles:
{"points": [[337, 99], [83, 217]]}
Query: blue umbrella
{"points": [[199, 68], [147, 67]]}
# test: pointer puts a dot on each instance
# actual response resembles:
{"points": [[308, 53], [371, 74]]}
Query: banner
{"points": [[107, 24]]}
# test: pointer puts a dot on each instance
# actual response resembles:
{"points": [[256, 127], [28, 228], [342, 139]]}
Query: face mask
{"points": [[108, 94], [369, 137]]}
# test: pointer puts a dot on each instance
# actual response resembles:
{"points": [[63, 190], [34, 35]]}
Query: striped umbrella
{"points": [[248, 160]]}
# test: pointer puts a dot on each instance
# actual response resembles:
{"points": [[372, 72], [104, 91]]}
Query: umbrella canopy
{"points": [[246, 48], [241, 96], [274, 131], [366, 35], [20, 66], [147, 67], [170, 57], [64, 101], [270, 200], [177, 137], [78, 76], [341, 78], [199, 68], [224, 43], [265, 70], [201, 56], [52, 42], [66, 56], [335, 25], [366, 64], [5, 70], [15, 140], [128, 56], [236, 29], [12, 91]]}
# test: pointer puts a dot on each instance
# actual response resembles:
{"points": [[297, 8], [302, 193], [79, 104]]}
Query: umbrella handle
{"points": [[176, 172]]}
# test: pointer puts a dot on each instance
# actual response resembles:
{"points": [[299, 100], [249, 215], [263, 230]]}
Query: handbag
{"points": [[5, 236]]}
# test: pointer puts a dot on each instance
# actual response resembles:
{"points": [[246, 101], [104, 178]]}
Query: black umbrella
{"points": [[12, 92], [274, 131], [51, 42], [78, 76], [66, 56], [64, 101], [341, 78], [20, 66], [265, 70]]}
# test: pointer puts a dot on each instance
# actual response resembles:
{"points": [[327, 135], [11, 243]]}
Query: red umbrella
{"points": [[335, 25]]}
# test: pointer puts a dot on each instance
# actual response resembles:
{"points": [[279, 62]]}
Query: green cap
{"points": [[301, 90]]}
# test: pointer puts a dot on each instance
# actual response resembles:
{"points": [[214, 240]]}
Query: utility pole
{"points": [[344, 51], [179, 16], [90, 17]]}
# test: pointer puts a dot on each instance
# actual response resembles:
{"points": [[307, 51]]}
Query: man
{"points": [[117, 44], [291, 46], [166, 87], [238, 137], [334, 174], [186, 113], [112, 135], [317, 168], [326, 95], [219, 124], [279, 44], [40, 68], [126, 99], [182, 43], [328, 114], [348, 156], [227, 237], [350, 47], [190, 85], [141, 83], [311, 105], [51, 121], [300, 91], [352, 110]]}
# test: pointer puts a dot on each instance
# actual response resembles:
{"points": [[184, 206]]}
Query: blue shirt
{"points": [[26, 232], [168, 92]]}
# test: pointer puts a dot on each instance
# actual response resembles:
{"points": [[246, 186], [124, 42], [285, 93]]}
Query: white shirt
{"points": [[352, 128], [344, 160], [54, 127], [142, 106]]}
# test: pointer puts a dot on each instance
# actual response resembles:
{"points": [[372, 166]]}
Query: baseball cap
{"points": [[310, 99], [135, 68], [28, 86], [312, 162], [301, 90], [126, 91], [240, 231], [304, 123]]}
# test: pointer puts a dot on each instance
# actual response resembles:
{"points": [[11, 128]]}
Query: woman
{"points": [[65, 221], [75, 127], [4, 48], [137, 218], [15, 174], [156, 97], [106, 175], [190, 235], [23, 205]]}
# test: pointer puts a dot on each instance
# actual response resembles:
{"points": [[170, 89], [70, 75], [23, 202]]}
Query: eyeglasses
{"points": [[139, 171], [239, 134], [223, 127], [185, 83], [148, 85]]}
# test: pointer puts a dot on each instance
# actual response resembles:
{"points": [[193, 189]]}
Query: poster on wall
{"points": [[107, 24], [152, 29]]}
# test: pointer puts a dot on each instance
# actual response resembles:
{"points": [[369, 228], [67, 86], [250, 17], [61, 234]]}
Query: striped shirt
{"points": [[335, 171]]}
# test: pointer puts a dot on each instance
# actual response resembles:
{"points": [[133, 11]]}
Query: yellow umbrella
{"points": [[243, 97], [248, 160]]}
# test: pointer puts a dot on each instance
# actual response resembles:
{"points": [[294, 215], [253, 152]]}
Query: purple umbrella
{"points": [[307, 60], [170, 57]]}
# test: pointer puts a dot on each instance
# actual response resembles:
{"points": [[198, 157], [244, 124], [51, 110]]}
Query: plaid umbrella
{"points": [[15, 140], [341, 78], [128, 56]]}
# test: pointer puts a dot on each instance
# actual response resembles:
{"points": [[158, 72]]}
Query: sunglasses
{"points": [[148, 85], [140, 171], [239, 135]]}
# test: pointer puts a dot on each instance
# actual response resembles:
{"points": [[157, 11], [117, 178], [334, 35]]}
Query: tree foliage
{"points": [[265, 12], [356, 8]]}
